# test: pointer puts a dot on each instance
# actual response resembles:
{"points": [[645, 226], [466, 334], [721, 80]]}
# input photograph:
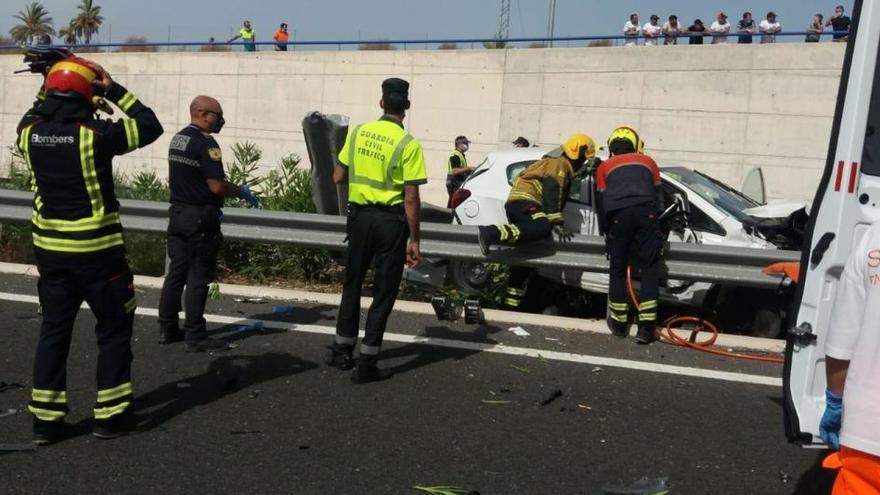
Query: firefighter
{"points": [[384, 167], [534, 207], [457, 167], [628, 207], [78, 241]]}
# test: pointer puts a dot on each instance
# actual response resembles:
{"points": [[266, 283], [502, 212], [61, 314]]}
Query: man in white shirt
{"points": [[632, 30], [719, 29], [652, 31], [852, 366], [769, 27], [672, 30]]}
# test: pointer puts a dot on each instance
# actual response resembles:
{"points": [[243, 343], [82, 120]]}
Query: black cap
{"points": [[697, 21], [395, 86], [655, 17], [462, 139], [521, 141], [771, 14]]}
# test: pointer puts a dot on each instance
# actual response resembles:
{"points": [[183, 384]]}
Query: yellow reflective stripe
{"points": [[131, 305], [131, 134], [81, 225], [78, 246], [618, 318], [74, 67], [127, 101], [522, 195], [511, 302], [109, 412], [515, 232], [538, 215], [538, 187], [515, 292], [554, 216], [90, 174], [46, 414], [114, 393], [51, 396], [647, 316], [502, 229], [24, 144], [648, 304]]}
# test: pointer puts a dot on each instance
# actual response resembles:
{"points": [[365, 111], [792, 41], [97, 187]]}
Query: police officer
{"points": [[78, 241], [384, 167], [534, 207], [198, 186], [628, 209], [457, 167]]}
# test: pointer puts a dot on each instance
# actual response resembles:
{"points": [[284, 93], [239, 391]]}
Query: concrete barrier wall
{"points": [[720, 109]]}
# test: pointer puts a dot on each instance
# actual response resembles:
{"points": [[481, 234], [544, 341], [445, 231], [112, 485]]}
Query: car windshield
{"points": [[724, 197]]}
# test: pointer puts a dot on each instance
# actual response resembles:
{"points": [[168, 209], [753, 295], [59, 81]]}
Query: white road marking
{"points": [[480, 347]]}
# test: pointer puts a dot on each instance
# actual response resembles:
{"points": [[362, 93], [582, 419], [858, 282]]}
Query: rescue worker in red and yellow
{"points": [[628, 207], [534, 207], [78, 241]]}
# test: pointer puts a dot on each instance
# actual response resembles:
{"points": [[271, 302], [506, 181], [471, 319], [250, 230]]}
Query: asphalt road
{"points": [[269, 417]]}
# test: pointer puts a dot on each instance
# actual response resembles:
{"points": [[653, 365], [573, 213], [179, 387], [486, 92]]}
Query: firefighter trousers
{"points": [[376, 234], [107, 288], [634, 227]]}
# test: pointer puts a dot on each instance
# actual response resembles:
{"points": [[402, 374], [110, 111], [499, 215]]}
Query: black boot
{"points": [[366, 371], [485, 238], [116, 426], [618, 328], [169, 335], [47, 432], [647, 334], [340, 356]]}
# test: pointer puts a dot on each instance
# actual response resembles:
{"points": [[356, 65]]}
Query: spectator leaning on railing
{"points": [[815, 29], [770, 27], [632, 30], [719, 29], [652, 30], [840, 23], [696, 31], [672, 30], [746, 27]]}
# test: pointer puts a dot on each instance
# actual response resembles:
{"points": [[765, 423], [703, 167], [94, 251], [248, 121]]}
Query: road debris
{"points": [[496, 401], [521, 369], [250, 300], [256, 326], [519, 331], [784, 477], [214, 291], [644, 486], [597, 370], [7, 412], [283, 309], [254, 394], [584, 406], [183, 385], [445, 490], [8, 448], [552, 397], [9, 386]]}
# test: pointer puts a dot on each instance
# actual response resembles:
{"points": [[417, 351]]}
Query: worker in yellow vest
{"points": [[248, 36], [457, 167]]}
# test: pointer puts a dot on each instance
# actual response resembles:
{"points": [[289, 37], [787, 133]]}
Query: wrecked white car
{"points": [[710, 213]]}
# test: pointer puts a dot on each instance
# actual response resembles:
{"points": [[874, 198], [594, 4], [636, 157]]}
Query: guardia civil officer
{"points": [[628, 210], [198, 187], [78, 241], [384, 167]]}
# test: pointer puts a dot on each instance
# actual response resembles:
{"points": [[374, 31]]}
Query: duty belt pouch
{"points": [[351, 215]]}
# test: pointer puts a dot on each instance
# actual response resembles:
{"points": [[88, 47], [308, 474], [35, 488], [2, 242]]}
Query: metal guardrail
{"points": [[731, 37], [726, 265]]}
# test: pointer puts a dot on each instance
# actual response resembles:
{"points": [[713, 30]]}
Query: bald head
{"points": [[204, 111]]}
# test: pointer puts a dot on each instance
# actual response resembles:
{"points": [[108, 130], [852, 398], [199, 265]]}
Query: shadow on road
{"points": [[299, 315], [816, 480], [225, 375], [425, 355]]}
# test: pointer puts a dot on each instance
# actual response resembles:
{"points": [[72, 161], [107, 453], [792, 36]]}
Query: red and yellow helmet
{"points": [[72, 76]]}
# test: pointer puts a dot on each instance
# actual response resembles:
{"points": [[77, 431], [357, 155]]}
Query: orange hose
{"points": [[670, 336]]}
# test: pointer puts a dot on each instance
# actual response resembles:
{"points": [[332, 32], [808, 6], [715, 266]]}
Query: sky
{"points": [[199, 20]]}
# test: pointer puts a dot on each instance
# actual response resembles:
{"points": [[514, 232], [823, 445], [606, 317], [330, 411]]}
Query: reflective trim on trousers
{"points": [[370, 350]]}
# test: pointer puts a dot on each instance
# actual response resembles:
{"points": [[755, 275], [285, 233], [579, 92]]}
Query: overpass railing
{"points": [[726, 265]]}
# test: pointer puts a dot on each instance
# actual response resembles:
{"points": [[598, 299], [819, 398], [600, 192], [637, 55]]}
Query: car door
{"points": [[846, 203]]}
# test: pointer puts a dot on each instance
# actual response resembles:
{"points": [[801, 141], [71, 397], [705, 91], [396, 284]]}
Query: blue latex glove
{"points": [[246, 194], [829, 427]]}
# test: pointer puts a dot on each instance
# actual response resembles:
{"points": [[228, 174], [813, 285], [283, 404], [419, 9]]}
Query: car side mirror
{"points": [[682, 202]]}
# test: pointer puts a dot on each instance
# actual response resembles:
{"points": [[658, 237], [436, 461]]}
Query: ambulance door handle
{"points": [[821, 246]]}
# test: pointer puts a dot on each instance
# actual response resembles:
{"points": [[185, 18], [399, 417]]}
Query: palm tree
{"points": [[35, 23], [88, 20], [68, 34]]}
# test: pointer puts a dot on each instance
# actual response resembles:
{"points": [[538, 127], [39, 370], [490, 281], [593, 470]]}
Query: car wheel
{"points": [[767, 323], [468, 276]]}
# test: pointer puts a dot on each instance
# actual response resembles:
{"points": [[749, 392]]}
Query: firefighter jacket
{"points": [[546, 182]]}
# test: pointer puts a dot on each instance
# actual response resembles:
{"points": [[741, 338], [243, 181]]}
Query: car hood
{"points": [[781, 208]]}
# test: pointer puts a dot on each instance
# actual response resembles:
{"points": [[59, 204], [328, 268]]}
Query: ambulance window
{"points": [[871, 153]]}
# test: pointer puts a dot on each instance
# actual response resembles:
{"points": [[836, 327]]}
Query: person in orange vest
{"points": [[281, 37]]}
